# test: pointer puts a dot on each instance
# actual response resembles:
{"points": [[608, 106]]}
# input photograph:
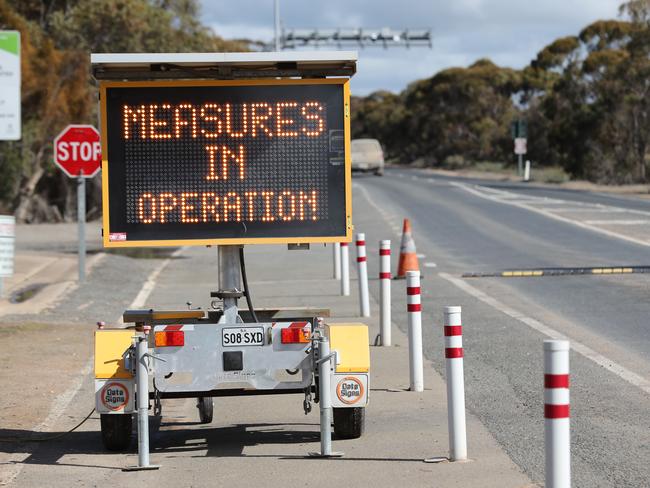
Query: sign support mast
{"points": [[81, 223], [276, 19]]}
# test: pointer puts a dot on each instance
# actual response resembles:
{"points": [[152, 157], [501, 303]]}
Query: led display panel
{"points": [[225, 162]]}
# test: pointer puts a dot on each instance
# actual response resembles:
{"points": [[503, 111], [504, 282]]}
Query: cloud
{"points": [[510, 32]]}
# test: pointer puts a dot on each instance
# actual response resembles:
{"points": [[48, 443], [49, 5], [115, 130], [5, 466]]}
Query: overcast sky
{"points": [[510, 32]]}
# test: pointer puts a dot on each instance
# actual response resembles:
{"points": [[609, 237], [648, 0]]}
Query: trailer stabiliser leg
{"points": [[142, 380], [324, 375]]}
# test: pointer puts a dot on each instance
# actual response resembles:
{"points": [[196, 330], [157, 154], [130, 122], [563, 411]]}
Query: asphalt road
{"points": [[459, 226], [478, 226]]}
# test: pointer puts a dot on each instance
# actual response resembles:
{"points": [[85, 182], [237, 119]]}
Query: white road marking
{"points": [[430, 265], [421, 256], [586, 210], [617, 222], [551, 215], [622, 372], [150, 284], [84, 306], [611, 366], [389, 218]]}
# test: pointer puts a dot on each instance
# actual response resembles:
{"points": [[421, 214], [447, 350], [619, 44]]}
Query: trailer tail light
{"points": [[172, 336], [297, 333]]}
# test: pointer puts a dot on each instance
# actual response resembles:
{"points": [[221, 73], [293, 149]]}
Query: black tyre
{"points": [[206, 409], [379, 172], [116, 431], [349, 423]]}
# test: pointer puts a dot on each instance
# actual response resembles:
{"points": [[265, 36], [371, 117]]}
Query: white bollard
{"points": [[455, 384], [557, 432], [414, 309], [336, 254], [364, 299], [384, 293], [527, 171], [345, 269]]}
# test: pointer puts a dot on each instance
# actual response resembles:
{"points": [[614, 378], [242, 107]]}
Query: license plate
{"points": [[242, 336]]}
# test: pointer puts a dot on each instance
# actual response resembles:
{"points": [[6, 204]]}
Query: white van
{"points": [[367, 155]]}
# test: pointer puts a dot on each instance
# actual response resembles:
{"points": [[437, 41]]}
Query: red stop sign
{"points": [[77, 151]]}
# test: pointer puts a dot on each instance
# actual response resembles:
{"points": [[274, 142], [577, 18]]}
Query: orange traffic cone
{"points": [[408, 259]]}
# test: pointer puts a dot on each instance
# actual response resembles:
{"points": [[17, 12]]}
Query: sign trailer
{"points": [[227, 150]]}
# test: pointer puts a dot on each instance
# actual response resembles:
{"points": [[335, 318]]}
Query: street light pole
{"points": [[276, 8]]}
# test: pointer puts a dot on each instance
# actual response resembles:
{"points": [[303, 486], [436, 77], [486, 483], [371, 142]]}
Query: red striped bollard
{"points": [[364, 299], [345, 269], [384, 293], [557, 431], [455, 384], [414, 309]]}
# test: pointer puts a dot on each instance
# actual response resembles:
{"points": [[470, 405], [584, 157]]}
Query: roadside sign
{"points": [[521, 145], [77, 151], [225, 162], [519, 128], [10, 113], [7, 238]]}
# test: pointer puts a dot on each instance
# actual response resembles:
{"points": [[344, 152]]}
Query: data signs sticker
{"points": [[114, 396], [225, 162], [349, 390]]}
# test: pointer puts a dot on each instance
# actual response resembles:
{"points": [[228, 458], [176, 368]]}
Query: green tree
{"points": [[57, 38], [462, 113]]}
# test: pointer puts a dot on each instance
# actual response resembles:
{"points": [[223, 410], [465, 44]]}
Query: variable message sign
{"points": [[225, 162]]}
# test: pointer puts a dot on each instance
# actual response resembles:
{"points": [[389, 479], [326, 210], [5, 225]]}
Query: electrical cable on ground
{"points": [[17, 440]]}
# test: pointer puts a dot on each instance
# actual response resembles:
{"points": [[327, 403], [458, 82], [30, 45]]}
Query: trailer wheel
{"points": [[206, 409], [349, 423], [116, 431]]}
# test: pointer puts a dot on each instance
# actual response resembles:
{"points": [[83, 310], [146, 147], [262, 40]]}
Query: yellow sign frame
{"points": [[103, 85]]}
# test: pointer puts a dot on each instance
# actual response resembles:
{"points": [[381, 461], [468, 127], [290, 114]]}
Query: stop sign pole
{"points": [[77, 151]]}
